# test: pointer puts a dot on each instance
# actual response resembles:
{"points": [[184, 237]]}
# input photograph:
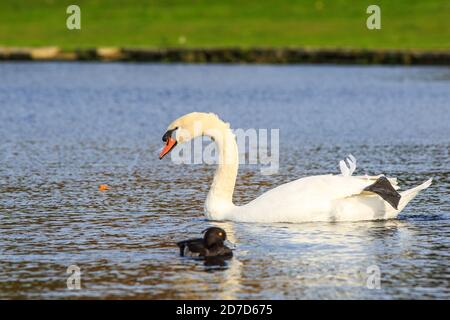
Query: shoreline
{"points": [[232, 55]]}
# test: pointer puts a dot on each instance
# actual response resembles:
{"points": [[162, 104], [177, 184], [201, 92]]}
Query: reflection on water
{"points": [[89, 124]]}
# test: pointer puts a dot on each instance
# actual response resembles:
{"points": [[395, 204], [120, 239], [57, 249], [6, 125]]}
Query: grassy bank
{"points": [[210, 23]]}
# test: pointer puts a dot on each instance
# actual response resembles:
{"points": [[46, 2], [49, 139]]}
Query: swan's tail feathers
{"points": [[408, 195], [348, 166], [385, 190]]}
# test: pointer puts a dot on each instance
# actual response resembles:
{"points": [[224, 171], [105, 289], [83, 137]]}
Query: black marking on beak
{"points": [[168, 134]]}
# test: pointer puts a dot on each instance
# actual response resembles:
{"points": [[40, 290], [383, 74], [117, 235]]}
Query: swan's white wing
{"points": [[324, 187], [393, 181], [323, 198], [310, 198]]}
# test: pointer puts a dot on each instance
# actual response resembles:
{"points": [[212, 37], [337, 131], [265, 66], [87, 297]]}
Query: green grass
{"points": [[210, 23]]}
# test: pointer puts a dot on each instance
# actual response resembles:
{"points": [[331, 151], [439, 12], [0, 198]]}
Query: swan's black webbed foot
{"points": [[385, 190]]}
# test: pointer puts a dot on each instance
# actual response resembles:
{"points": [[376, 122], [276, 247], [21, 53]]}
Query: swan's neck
{"points": [[220, 197]]}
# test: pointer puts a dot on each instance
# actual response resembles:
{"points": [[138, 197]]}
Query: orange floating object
{"points": [[103, 187]]}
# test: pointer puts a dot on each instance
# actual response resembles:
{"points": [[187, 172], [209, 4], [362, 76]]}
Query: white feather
{"points": [[348, 166], [344, 170], [351, 160]]}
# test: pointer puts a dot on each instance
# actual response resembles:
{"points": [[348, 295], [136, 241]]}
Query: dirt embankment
{"points": [[233, 55]]}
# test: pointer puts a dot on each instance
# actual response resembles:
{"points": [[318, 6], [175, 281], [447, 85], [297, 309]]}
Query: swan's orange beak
{"points": [[170, 144]]}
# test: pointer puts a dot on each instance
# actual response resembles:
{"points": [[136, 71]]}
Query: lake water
{"points": [[66, 128]]}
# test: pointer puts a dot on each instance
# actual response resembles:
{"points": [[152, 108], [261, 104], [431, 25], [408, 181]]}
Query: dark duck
{"points": [[211, 245]]}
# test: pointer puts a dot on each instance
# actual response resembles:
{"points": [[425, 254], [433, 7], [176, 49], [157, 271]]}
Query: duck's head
{"points": [[214, 236], [190, 126]]}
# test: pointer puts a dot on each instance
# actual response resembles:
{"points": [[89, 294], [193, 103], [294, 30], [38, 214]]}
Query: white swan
{"points": [[315, 198]]}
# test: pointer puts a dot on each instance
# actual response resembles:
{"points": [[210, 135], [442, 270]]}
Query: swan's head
{"points": [[188, 127]]}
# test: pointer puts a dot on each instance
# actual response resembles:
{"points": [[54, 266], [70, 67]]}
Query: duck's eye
{"points": [[220, 234]]}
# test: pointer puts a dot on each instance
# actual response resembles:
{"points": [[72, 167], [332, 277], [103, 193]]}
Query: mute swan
{"points": [[315, 198]]}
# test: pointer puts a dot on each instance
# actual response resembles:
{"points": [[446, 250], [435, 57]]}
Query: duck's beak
{"points": [[230, 244], [170, 144]]}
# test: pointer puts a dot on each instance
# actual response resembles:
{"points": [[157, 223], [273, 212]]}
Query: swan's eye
{"points": [[168, 134]]}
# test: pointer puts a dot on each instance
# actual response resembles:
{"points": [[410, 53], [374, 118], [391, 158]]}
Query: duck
{"points": [[327, 197], [210, 246]]}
